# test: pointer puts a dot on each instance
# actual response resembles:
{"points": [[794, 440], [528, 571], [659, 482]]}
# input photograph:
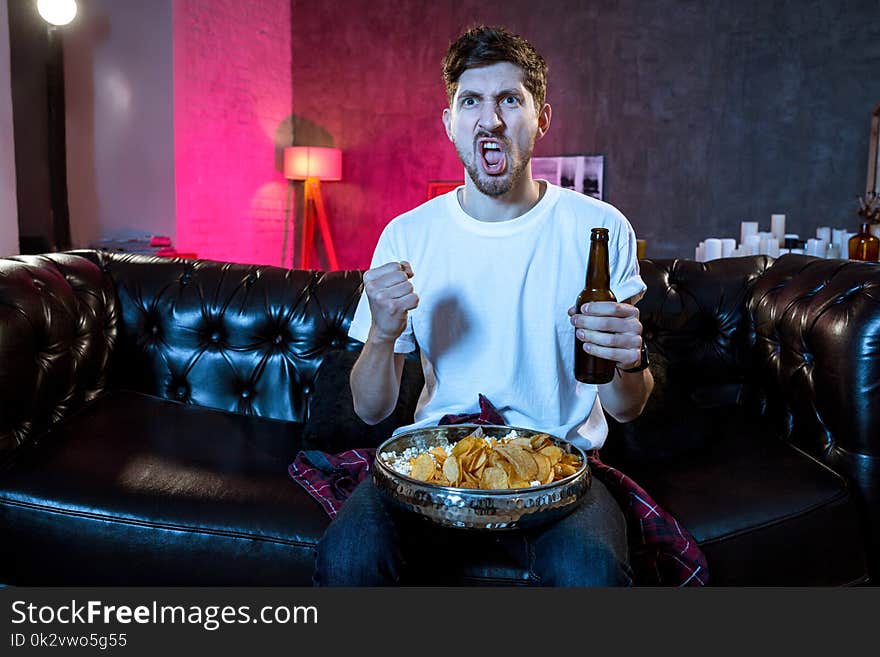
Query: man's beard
{"points": [[496, 185]]}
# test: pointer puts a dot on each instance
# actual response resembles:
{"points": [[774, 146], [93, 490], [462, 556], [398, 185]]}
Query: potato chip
{"points": [[522, 461], [539, 441], [423, 467], [439, 454], [451, 470], [552, 452], [545, 469], [494, 478], [465, 445]]}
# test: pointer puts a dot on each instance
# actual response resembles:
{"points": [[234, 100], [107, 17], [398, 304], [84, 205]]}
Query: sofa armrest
{"points": [[816, 345], [57, 329]]}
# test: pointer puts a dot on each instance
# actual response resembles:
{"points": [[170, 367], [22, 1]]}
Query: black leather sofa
{"points": [[151, 408]]}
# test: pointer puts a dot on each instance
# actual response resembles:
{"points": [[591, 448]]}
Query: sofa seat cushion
{"points": [[138, 490], [763, 512]]}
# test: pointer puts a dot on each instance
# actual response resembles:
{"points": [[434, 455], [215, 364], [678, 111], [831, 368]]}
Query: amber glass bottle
{"points": [[589, 368], [864, 246]]}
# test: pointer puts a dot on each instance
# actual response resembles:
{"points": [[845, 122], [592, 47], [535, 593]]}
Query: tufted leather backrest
{"points": [[817, 347], [57, 330], [694, 316], [243, 338], [696, 324]]}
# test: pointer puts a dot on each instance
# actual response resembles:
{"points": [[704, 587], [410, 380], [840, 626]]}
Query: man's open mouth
{"points": [[493, 156]]}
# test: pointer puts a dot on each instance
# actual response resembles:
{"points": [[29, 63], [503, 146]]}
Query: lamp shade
{"points": [[57, 12], [301, 162]]}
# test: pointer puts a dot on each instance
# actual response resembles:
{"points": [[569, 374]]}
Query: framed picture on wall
{"points": [[438, 187], [582, 173]]}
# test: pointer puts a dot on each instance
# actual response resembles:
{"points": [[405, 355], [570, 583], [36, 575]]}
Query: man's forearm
{"points": [[625, 396], [375, 381]]}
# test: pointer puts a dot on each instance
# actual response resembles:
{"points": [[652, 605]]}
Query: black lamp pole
{"points": [[57, 141]]}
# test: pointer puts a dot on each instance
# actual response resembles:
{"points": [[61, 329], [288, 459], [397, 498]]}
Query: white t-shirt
{"points": [[493, 308]]}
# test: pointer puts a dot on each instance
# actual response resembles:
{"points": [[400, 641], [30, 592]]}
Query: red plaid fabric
{"points": [[331, 478], [662, 552]]}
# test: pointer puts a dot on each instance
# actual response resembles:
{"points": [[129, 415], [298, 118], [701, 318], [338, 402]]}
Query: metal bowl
{"points": [[469, 508]]}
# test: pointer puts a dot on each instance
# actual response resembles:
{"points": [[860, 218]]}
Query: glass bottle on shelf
{"points": [[863, 245]]}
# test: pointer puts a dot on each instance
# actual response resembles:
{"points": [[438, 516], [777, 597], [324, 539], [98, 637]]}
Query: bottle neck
{"points": [[598, 275]]}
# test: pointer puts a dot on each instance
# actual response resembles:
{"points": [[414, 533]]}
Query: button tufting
{"points": [[279, 339], [251, 279], [180, 393], [245, 394], [215, 336], [307, 390], [335, 342], [155, 330]]}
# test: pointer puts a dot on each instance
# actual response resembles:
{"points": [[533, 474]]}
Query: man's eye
{"points": [[468, 102], [511, 100]]}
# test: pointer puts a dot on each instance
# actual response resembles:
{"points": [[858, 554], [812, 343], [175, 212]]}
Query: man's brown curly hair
{"points": [[482, 45]]}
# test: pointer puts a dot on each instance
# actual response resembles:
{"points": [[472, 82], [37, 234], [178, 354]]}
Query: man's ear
{"points": [[447, 122], [544, 120]]}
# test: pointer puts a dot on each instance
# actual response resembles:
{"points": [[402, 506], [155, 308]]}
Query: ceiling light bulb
{"points": [[57, 12]]}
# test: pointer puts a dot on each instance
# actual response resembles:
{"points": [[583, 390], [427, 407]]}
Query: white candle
{"points": [[746, 229], [767, 243], [817, 247], [712, 248], [728, 246], [824, 233], [752, 244], [777, 227]]}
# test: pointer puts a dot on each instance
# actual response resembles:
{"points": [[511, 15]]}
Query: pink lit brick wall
{"points": [[232, 105]]}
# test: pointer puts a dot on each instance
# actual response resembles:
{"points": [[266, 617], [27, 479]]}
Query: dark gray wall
{"points": [[715, 112]]}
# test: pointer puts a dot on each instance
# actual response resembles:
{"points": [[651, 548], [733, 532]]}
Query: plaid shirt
{"points": [[662, 552]]}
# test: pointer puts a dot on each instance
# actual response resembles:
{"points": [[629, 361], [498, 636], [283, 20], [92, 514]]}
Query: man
{"points": [[479, 280]]}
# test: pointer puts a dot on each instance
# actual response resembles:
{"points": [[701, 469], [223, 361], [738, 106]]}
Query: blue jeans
{"points": [[369, 543]]}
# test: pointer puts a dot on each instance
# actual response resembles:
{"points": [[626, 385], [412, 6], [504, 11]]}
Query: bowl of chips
{"points": [[486, 477]]}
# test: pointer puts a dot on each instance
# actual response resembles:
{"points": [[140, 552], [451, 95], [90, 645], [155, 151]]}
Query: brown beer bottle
{"points": [[589, 368]]}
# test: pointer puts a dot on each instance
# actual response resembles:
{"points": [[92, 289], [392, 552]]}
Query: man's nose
{"points": [[490, 117]]}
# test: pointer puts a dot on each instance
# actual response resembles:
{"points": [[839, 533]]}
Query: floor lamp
{"points": [[57, 13], [313, 165]]}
